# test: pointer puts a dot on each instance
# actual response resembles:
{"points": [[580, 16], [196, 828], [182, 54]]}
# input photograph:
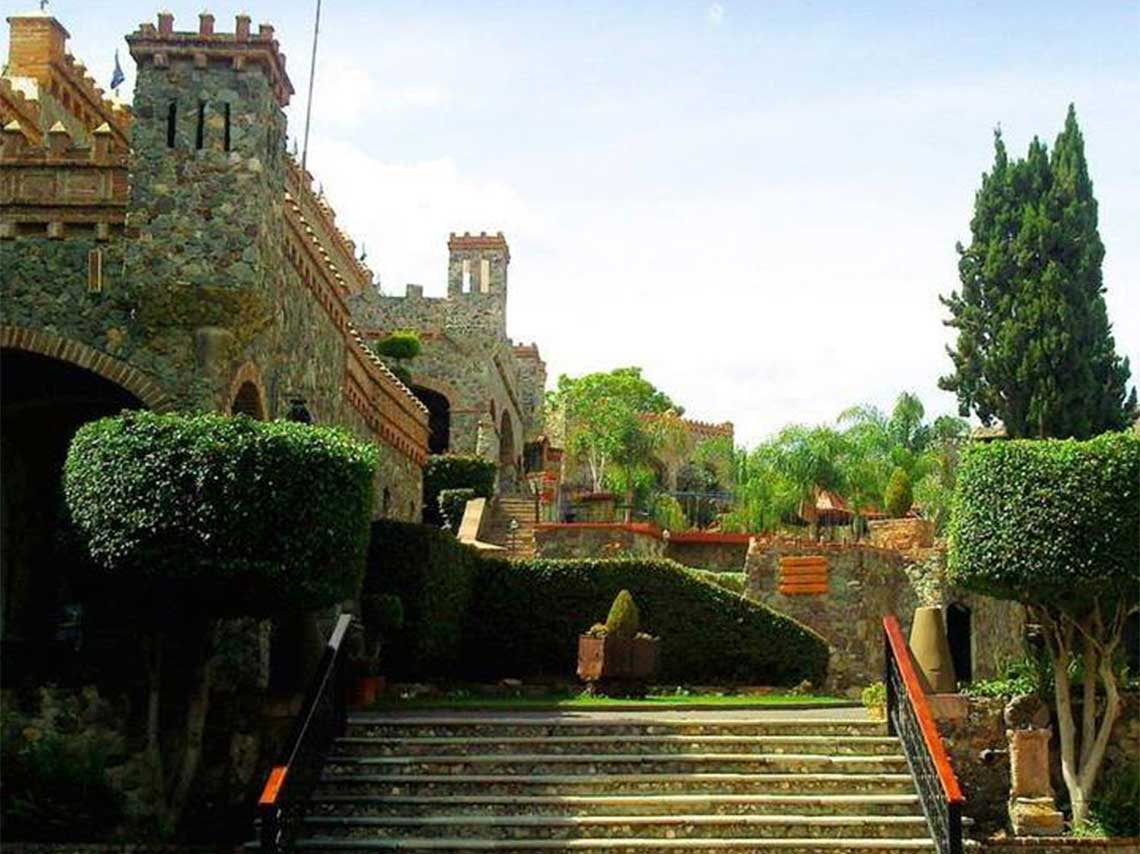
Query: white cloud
{"points": [[347, 95], [714, 15]]}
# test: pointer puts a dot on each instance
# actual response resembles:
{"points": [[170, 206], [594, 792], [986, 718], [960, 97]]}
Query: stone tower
{"points": [[477, 274], [207, 176]]}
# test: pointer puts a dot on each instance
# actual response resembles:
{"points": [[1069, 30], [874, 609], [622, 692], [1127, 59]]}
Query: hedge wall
{"points": [[433, 574], [1048, 521], [455, 471], [527, 616]]}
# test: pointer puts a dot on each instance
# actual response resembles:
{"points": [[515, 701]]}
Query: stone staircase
{"points": [[520, 508], [737, 781]]}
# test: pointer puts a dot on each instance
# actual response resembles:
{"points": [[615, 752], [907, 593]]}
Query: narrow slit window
{"points": [[226, 126], [466, 276], [200, 133], [171, 122], [485, 276], [95, 271]]}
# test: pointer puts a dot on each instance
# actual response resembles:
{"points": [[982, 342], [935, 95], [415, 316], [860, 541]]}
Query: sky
{"points": [[756, 202]]}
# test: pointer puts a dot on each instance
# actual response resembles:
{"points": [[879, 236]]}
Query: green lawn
{"points": [[467, 700]]}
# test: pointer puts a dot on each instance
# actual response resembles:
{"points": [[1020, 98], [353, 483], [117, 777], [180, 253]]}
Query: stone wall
{"points": [[589, 540], [986, 783], [902, 534], [863, 584], [711, 554]]}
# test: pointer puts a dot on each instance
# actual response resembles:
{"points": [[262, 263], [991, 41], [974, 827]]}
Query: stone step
{"points": [[518, 827], [616, 784], [454, 725], [622, 846], [661, 743], [614, 763], [649, 804]]}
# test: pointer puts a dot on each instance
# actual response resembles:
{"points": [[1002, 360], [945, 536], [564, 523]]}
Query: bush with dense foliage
{"points": [[452, 504], [735, 582], [434, 575], [190, 518], [479, 618], [624, 619], [455, 471], [1055, 524], [527, 615], [899, 495]]}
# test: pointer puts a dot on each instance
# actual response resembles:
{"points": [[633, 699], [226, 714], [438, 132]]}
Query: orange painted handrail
{"points": [[273, 786], [917, 695]]}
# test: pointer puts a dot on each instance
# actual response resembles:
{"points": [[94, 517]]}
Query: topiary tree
{"points": [[192, 518], [624, 620], [1056, 525], [899, 496], [455, 471], [398, 348]]}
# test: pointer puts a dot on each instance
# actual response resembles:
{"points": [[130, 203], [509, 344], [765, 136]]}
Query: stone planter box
{"points": [[604, 658]]}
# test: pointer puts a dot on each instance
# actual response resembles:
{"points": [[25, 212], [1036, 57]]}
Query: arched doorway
{"points": [[45, 400], [439, 418], [507, 455], [247, 401], [959, 635]]}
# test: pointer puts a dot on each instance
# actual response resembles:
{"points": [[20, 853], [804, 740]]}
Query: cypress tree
{"points": [[1035, 346]]}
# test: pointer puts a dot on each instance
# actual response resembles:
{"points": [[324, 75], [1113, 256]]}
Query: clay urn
{"points": [[932, 650]]}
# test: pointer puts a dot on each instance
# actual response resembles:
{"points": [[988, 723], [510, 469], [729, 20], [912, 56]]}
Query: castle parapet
{"points": [[162, 44]]}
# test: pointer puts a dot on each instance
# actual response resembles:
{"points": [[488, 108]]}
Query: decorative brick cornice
{"points": [[159, 45], [482, 240], [138, 383]]}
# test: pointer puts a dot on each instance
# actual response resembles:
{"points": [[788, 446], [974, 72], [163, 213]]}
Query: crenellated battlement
{"points": [[160, 45]]}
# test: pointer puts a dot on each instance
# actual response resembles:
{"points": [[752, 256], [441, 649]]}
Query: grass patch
{"points": [[570, 700]]}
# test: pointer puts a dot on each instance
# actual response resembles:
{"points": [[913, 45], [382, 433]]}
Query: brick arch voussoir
{"points": [[248, 372], [139, 383]]}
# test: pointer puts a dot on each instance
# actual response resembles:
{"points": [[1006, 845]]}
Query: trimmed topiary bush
{"points": [[401, 344], [899, 495], [452, 504], [454, 471], [190, 518], [1056, 525], [434, 575], [624, 620]]}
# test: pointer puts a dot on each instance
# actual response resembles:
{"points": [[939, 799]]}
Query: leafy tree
{"points": [[898, 496], [191, 518], [1035, 346], [1055, 525], [601, 413]]}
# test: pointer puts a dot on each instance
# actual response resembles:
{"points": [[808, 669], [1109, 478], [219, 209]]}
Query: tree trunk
{"points": [[152, 654], [197, 710]]}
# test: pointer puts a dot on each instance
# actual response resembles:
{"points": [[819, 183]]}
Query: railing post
{"points": [[889, 684], [340, 698], [954, 828]]}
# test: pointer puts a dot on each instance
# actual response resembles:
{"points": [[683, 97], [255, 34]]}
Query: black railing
{"points": [[909, 717], [281, 808]]}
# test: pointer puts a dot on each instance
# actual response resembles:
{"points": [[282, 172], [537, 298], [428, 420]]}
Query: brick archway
{"points": [[138, 383], [247, 393]]}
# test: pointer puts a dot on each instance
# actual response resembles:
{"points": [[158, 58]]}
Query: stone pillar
{"points": [[1032, 810]]}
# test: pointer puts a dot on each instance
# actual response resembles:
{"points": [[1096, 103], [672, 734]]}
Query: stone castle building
{"points": [[484, 393], [172, 255]]}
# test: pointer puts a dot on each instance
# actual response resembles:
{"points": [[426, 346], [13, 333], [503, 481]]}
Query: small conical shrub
{"points": [[624, 620], [899, 496]]}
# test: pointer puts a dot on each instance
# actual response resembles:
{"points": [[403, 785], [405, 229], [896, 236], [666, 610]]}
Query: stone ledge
{"points": [[1050, 844]]}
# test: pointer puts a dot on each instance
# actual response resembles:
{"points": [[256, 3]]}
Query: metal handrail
{"points": [[909, 717], [323, 718]]}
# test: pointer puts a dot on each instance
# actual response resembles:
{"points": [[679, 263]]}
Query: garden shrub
{"points": [[433, 574], [455, 471], [239, 517], [731, 581], [401, 344], [526, 616], [899, 495], [1114, 808], [452, 503], [624, 620]]}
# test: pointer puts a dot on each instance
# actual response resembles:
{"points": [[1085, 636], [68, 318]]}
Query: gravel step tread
{"points": [[624, 800], [604, 719], [591, 758], [595, 820], [664, 738], [842, 844], [602, 779]]}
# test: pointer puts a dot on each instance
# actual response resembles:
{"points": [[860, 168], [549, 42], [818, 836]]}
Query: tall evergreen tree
{"points": [[1035, 346]]}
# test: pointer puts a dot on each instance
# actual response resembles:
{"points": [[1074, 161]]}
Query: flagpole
{"points": [[312, 74]]}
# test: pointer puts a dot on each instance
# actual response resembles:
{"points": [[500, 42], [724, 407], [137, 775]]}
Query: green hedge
{"points": [[734, 582], [433, 574], [1052, 521], [223, 513], [452, 503], [455, 471], [526, 618]]}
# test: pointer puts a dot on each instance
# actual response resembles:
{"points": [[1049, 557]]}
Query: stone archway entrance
{"points": [[45, 400], [439, 418]]}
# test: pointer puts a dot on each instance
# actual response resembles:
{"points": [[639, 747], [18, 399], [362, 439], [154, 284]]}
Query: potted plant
{"points": [[615, 654], [382, 614]]}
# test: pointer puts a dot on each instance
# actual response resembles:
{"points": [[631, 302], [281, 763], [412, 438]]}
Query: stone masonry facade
{"points": [[176, 243]]}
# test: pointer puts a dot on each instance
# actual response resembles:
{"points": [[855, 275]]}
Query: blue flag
{"points": [[117, 76]]}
